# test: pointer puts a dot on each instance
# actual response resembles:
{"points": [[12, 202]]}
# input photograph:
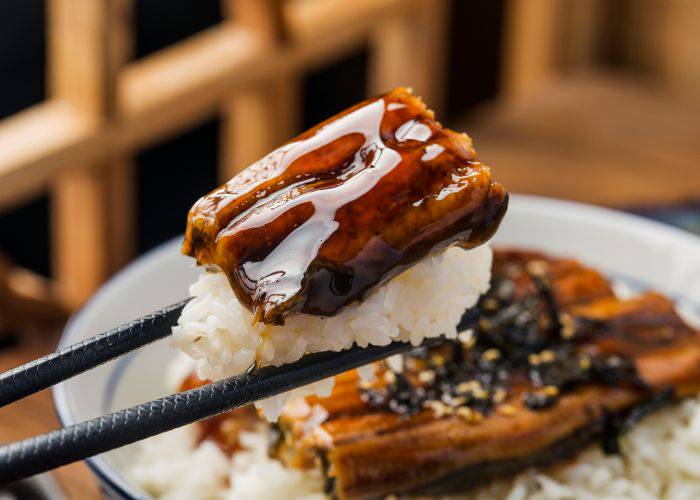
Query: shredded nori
{"points": [[513, 336], [616, 425]]}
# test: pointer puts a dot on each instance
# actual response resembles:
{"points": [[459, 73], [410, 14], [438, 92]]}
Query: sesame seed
{"points": [[484, 324], [465, 387], [490, 304], [412, 364], [537, 267], [465, 412], [426, 376], [568, 326], [547, 356], [467, 338], [439, 408], [499, 395], [550, 390], [584, 362], [480, 393], [446, 411], [471, 416], [437, 359], [506, 410], [491, 355], [431, 404], [512, 271], [613, 361], [533, 359], [458, 401]]}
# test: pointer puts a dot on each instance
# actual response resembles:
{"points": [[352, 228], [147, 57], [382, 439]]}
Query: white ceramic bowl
{"points": [[636, 249]]}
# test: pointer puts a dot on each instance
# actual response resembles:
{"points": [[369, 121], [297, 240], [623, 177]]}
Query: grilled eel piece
{"points": [[341, 208], [554, 363]]}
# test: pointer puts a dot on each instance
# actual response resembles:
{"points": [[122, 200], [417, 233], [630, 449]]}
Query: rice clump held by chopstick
{"points": [[427, 300]]}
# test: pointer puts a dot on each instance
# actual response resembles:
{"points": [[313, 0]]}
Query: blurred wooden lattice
{"points": [[103, 107], [567, 125], [27, 304]]}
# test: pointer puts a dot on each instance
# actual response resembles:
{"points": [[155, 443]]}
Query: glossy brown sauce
{"points": [[348, 204]]}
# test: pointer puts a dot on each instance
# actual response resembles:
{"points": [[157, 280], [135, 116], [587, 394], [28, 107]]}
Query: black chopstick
{"points": [[76, 442], [77, 358]]}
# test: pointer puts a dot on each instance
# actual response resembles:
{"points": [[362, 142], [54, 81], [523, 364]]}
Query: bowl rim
{"points": [[569, 209], [101, 468]]}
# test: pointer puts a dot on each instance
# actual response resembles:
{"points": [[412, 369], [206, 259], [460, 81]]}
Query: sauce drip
{"points": [[345, 206]]}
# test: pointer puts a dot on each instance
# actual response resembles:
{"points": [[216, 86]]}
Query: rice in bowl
{"points": [[660, 459]]}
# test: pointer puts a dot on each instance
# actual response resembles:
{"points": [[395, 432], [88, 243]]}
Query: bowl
{"points": [[642, 253]]}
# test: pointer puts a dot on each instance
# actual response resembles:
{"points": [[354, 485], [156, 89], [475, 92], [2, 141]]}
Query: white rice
{"points": [[171, 466], [426, 301], [660, 460]]}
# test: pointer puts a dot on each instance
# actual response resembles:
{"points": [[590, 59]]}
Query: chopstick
{"points": [[77, 358], [61, 365], [76, 442]]}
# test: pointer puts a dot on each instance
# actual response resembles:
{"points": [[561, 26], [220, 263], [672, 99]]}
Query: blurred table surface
{"points": [[596, 138], [35, 415]]}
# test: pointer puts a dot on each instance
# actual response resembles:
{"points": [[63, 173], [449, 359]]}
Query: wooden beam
{"points": [[255, 121], [327, 20], [120, 178], [179, 86], [176, 88], [89, 40], [530, 46], [680, 46], [582, 32], [79, 232], [192, 74], [408, 49], [264, 17], [157, 96], [263, 114], [33, 142], [75, 53], [27, 301]]}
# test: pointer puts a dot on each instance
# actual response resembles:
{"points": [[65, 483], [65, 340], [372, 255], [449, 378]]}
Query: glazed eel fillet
{"points": [[344, 207], [556, 361]]}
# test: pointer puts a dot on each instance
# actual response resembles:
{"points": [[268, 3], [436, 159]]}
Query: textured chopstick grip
{"points": [[74, 359], [76, 442]]}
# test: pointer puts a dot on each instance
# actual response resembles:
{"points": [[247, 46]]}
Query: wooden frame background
{"points": [[103, 107]]}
